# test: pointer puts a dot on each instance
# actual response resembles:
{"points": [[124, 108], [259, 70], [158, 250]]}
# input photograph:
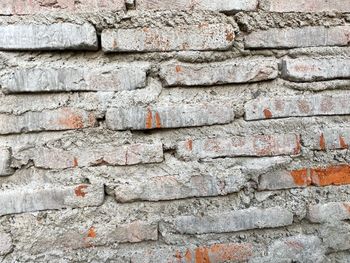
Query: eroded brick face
{"points": [[187, 131]]}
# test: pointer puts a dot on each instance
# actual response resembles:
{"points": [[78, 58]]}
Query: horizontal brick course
{"points": [[58, 36], [233, 71], [254, 145], [331, 175], [48, 198], [334, 211], [252, 218], [83, 157], [74, 79], [308, 6], [5, 162], [311, 36], [25, 7], [176, 116], [218, 253], [297, 106], [223, 5], [315, 69], [329, 139], [50, 120], [196, 37], [170, 187]]}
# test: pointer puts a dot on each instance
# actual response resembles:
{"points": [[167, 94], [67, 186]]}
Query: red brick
{"points": [[319, 176], [232, 252]]}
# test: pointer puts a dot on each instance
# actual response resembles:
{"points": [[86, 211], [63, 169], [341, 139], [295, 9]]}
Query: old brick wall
{"points": [[194, 131]]}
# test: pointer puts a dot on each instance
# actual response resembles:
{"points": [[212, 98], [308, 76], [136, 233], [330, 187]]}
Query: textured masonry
{"points": [[197, 37], [188, 131], [58, 36], [237, 71]]}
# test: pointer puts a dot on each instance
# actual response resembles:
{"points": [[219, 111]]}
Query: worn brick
{"points": [[233, 71], [311, 36], [315, 69], [5, 162], [254, 145], [157, 117], [336, 236], [252, 218], [300, 248], [59, 36], [48, 198], [222, 6], [331, 175], [198, 37], [218, 253], [6, 245], [334, 211], [74, 79], [25, 7], [297, 106], [329, 139], [85, 234], [170, 187], [83, 157], [50, 120], [308, 6]]}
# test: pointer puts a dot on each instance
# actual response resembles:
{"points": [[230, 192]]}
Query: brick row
{"points": [[218, 253], [170, 187], [297, 106], [74, 79], [75, 234], [84, 157], [307, 6], [315, 69], [149, 39], [48, 198], [311, 36], [48, 120], [59, 36], [233, 71], [334, 211], [255, 145], [252, 218], [222, 6], [329, 139], [174, 116], [5, 162], [26, 7], [319, 176]]}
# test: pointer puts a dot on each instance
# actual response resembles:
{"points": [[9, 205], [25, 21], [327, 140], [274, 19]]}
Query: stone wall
{"points": [[195, 131]]}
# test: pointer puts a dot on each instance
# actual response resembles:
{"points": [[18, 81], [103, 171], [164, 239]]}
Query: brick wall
{"points": [[204, 131]]}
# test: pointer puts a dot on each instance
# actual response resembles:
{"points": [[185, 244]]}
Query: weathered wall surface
{"points": [[201, 131]]}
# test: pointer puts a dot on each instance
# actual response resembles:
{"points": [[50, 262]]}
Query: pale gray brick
{"points": [[307, 5], [196, 37], [252, 218], [222, 6], [58, 36], [254, 145], [311, 36], [334, 211], [175, 116], [297, 106], [170, 187], [315, 69], [50, 120], [84, 157], [232, 71], [5, 162], [48, 198], [75, 79]]}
